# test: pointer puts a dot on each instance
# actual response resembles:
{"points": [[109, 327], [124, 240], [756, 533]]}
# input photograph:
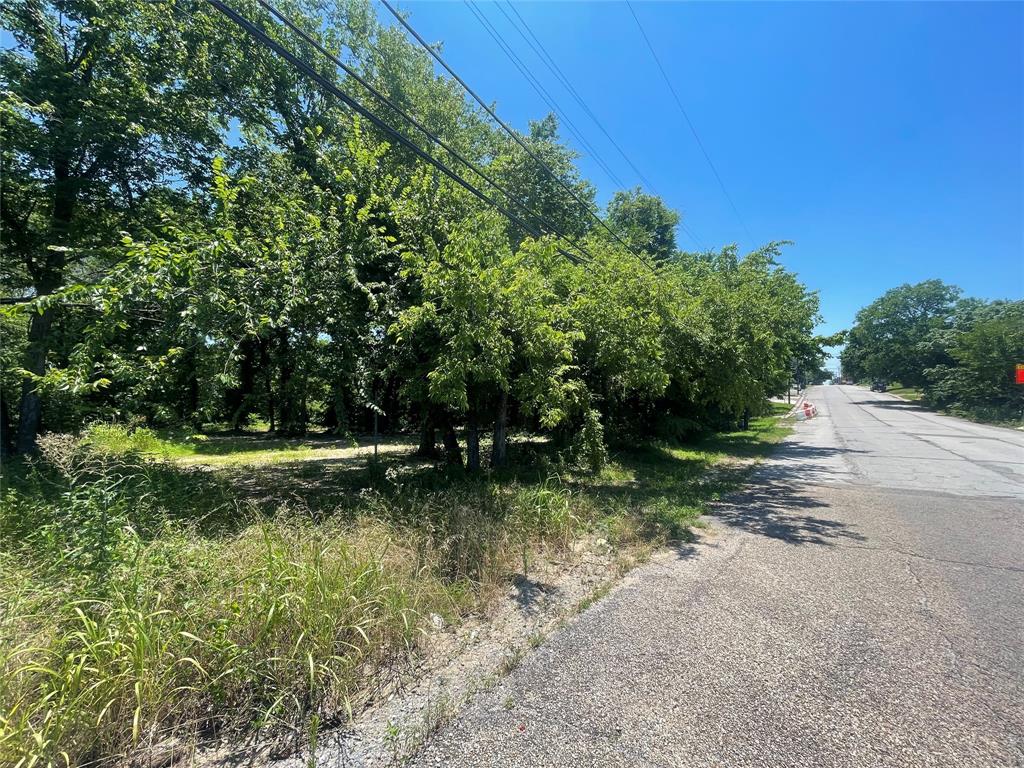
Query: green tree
{"points": [[886, 341], [272, 282], [555, 200], [487, 328], [982, 348], [645, 222], [98, 117]]}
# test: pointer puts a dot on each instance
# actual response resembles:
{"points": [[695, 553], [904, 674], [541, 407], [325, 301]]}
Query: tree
{"points": [[313, 274], [487, 328], [556, 200], [645, 222], [740, 327], [886, 339], [106, 103], [982, 347]]}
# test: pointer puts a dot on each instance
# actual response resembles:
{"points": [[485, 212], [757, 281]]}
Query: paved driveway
{"points": [[861, 605]]}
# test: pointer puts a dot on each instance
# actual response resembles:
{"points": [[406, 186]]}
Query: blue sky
{"points": [[885, 139]]}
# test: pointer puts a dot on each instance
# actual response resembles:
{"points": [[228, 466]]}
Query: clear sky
{"points": [[885, 139]]}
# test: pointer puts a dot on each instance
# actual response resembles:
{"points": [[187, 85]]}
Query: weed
{"points": [[312, 738], [593, 597], [511, 660]]}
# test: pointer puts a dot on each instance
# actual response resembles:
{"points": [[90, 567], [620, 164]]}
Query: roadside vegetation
{"points": [[907, 393], [149, 602], [952, 353], [221, 288]]}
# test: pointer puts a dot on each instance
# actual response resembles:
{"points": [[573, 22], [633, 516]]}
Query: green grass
{"points": [[992, 417], [908, 393], [143, 598], [228, 449]]}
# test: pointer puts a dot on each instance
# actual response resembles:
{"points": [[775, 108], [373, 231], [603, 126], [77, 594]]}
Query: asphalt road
{"points": [[861, 605]]}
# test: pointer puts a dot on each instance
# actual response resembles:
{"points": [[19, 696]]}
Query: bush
{"points": [[590, 447]]}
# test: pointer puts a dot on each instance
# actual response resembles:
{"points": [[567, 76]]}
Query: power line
{"points": [[542, 53], [510, 131], [556, 70], [552, 103], [303, 66], [541, 91], [686, 117], [413, 121]]}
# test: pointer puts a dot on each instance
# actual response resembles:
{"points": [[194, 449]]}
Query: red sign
{"points": [[1020, 373]]}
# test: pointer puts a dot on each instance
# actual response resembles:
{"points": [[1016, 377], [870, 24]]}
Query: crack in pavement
{"points": [[929, 558]]}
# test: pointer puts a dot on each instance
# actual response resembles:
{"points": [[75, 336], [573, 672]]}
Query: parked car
{"points": [[878, 386]]}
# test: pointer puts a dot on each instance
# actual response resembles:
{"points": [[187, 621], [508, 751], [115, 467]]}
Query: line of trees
{"points": [[961, 352], [194, 233]]}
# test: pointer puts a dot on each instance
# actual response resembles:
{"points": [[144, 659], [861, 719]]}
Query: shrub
{"points": [[590, 447]]}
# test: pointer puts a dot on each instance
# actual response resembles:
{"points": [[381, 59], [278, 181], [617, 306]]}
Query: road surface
{"points": [[861, 605]]}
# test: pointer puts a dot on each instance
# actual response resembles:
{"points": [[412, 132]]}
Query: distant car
{"points": [[878, 386]]}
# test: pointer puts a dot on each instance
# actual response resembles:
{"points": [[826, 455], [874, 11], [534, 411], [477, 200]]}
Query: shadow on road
{"points": [[779, 510], [780, 503], [798, 455], [903, 405]]}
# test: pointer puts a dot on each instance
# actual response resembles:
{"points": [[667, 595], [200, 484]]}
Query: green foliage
{"points": [[308, 275], [983, 344], [590, 443], [888, 338], [960, 354], [646, 222], [554, 200]]}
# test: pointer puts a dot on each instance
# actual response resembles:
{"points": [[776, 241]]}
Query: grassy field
{"points": [[158, 588]]}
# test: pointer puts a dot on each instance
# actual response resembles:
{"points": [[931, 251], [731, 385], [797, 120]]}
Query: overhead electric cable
{"points": [[413, 121], [541, 91], [264, 39], [510, 131], [686, 117], [544, 55]]}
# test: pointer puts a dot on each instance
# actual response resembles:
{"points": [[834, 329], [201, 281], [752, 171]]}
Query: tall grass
{"points": [[126, 621], [272, 626], [142, 604]]}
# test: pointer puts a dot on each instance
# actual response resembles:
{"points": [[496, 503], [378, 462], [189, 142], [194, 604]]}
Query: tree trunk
{"points": [[428, 439], [193, 395], [47, 276], [30, 410], [188, 381], [290, 409], [472, 444], [499, 450], [339, 425], [268, 376], [238, 400], [6, 439], [452, 452]]}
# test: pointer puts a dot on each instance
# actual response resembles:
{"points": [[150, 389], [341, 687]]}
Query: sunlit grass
{"points": [[223, 450], [908, 393]]}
